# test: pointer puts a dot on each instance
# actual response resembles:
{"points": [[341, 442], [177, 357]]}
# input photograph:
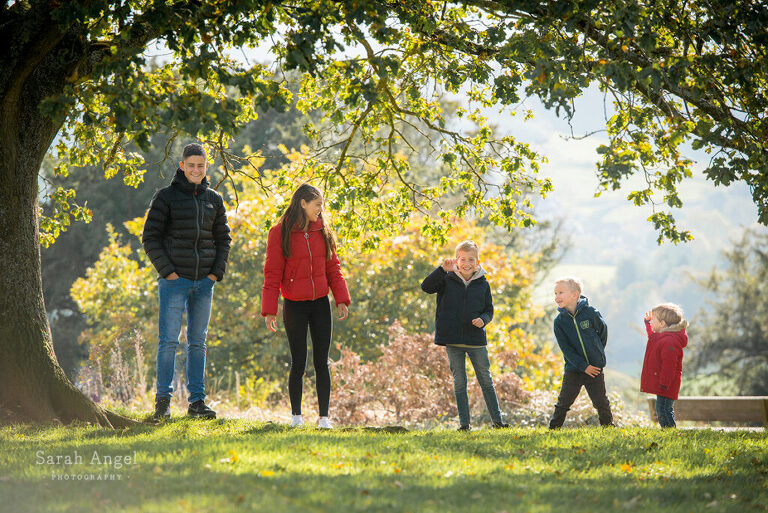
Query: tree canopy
{"points": [[679, 75]]}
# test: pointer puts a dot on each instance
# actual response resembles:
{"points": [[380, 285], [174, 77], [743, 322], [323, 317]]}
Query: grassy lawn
{"points": [[238, 465]]}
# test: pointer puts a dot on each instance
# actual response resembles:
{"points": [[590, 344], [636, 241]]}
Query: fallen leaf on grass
{"points": [[626, 467], [233, 458], [267, 473]]}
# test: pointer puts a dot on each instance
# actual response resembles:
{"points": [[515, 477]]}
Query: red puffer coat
{"points": [[304, 276], [663, 363]]}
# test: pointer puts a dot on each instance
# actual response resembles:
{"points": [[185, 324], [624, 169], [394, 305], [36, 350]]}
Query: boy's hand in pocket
{"points": [[478, 322]]}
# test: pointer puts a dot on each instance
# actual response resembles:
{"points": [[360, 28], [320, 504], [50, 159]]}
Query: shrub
{"points": [[410, 383], [538, 409]]}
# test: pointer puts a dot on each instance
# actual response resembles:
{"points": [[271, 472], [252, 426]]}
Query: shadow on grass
{"points": [[285, 490], [221, 465]]}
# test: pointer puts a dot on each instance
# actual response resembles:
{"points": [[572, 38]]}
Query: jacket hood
{"points": [[583, 301], [479, 273], [678, 331], [180, 181], [680, 326]]}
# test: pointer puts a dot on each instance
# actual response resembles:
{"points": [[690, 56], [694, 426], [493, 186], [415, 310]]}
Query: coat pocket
{"points": [[208, 214]]}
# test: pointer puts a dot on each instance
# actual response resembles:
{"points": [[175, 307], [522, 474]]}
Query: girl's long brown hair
{"points": [[294, 217]]}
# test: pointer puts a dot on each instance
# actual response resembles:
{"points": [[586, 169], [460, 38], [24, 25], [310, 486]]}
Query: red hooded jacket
{"points": [[663, 363], [304, 276]]}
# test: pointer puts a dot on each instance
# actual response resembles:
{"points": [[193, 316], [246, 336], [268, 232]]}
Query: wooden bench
{"points": [[718, 408]]}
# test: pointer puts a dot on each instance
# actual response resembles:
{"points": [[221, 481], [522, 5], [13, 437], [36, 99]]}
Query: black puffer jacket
{"points": [[186, 231]]}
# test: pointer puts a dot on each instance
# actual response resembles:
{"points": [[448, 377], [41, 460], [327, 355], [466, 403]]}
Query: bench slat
{"points": [[718, 408]]}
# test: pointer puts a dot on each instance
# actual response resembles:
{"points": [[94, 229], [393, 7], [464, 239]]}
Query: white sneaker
{"points": [[297, 421], [324, 423]]}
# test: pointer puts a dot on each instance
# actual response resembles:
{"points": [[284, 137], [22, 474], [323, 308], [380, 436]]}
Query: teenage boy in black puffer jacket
{"points": [[464, 307], [186, 237]]}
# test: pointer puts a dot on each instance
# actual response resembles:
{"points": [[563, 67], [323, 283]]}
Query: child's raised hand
{"points": [[449, 264], [478, 322], [647, 316]]}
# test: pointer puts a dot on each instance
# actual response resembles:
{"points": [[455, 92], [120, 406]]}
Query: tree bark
{"points": [[33, 387]]}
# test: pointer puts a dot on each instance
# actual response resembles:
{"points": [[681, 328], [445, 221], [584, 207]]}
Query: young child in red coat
{"points": [[663, 363]]}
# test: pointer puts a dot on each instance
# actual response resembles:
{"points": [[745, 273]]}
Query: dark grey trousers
{"points": [[572, 383]]}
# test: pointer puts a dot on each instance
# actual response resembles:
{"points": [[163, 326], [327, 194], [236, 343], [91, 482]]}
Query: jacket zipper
{"points": [[578, 332], [463, 314], [311, 278], [197, 233]]}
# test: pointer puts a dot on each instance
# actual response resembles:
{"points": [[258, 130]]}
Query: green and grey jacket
{"points": [[581, 336]]}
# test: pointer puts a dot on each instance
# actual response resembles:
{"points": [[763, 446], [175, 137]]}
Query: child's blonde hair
{"points": [[468, 245], [670, 313], [572, 282]]}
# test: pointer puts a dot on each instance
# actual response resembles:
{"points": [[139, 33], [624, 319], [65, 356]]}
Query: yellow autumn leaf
{"points": [[267, 473], [626, 467]]}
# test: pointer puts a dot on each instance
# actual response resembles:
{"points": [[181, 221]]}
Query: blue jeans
{"points": [[665, 411], [482, 365], [176, 296]]}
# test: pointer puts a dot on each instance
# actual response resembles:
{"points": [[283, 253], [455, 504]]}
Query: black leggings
{"points": [[297, 317]]}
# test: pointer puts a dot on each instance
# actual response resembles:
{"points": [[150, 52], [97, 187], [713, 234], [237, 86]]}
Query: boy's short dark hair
{"points": [[193, 149]]}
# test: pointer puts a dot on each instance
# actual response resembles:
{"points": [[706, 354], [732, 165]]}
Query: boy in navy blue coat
{"points": [[581, 334], [464, 307]]}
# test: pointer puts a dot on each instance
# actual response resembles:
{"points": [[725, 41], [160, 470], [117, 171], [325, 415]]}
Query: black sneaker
{"points": [[162, 408], [466, 427], [500, 425], [198, 409]]}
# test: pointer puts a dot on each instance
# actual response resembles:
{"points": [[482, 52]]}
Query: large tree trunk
{"points": [[33, 387]]}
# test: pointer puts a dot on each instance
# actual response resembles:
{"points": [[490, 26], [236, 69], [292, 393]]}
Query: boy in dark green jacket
{"points": [[581, 334], [464, 307]]}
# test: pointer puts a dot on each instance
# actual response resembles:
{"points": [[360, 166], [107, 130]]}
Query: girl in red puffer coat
{"points": [[301, 263], [663, 362]]}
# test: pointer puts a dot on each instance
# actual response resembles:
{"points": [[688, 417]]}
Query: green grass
{"points": [[237, 465]]}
